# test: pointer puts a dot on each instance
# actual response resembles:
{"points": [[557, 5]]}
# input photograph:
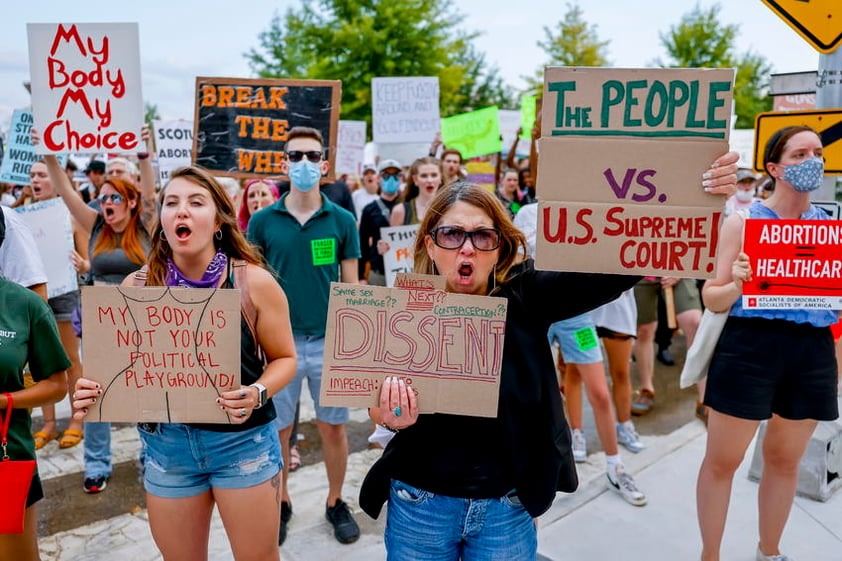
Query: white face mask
{"points": [[744, 196]]}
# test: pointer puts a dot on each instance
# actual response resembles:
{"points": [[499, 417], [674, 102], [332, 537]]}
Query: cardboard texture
{"points": [[242, 124], [795, 264], [630, 144], [447, 346], [401, 255], [627, 239], [161, 354], [86, 94]]}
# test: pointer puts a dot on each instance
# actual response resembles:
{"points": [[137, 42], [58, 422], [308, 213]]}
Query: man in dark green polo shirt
{"points": [[310, 242]]}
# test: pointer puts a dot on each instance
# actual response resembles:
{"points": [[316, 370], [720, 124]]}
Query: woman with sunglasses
{"points": [[768, 364], [44, 188], [119, 222], [474, 494]]}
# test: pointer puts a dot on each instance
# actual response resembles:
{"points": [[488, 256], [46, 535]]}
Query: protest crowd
{"points": [[275, 210]]}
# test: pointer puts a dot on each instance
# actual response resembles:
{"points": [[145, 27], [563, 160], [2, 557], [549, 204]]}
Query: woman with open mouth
{"points": [[475, 493], [119, 227], [258, 194], [45, 188], [424, 181]]}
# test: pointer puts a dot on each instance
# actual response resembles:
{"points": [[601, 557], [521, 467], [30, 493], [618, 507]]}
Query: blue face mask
{"points": [[390, 185], [304, 174], [806, 176]]}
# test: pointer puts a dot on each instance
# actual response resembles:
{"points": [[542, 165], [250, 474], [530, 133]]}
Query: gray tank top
{"points": [[112, 267]]}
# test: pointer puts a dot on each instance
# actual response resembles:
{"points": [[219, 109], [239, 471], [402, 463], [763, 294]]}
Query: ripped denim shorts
{"points": [[182, 461]]}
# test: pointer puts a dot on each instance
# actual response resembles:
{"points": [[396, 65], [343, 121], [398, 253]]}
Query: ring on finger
{"points": [[243, 412], [397, 411]]}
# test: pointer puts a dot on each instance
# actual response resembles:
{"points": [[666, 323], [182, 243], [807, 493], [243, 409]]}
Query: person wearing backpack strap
{"points": [[189, 469]]}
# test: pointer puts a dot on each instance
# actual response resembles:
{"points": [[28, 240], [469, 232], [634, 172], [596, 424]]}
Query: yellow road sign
{"points": [[826, 122], [819, 22]]}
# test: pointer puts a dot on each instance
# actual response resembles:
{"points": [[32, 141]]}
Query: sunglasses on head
{"points": [[314, 156], [452, 237], [115, 198]]}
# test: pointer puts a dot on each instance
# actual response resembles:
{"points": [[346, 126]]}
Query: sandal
{"points": [[643, 402], [294, 459], [70, 438], [42, 438]]}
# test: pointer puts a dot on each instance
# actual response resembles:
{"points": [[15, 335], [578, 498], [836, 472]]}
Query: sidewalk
{"points": [[593, 523]]}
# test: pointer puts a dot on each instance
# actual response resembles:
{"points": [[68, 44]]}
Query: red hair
{"points": [[130, 240]]}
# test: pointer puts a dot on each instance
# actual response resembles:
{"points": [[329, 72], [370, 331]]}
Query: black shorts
{"points": [[764, 366], [36, 491], [605, 333]]}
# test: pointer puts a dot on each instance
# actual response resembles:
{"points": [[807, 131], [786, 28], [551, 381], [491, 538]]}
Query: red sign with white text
{"points": [[796, 264], [86, 96]]}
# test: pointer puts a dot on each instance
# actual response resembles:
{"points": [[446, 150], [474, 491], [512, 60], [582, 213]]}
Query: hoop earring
{"points": [[162, 235], [218, 235]]}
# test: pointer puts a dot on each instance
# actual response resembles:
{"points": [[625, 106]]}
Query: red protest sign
{"points": [[796, 264]]}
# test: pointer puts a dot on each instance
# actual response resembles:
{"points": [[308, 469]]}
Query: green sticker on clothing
{"points": [[586, 338], [324, 251]]}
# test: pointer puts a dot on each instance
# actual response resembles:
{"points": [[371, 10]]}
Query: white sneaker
{"points": [[580, 446], [624, 484], [628, 437], [762, 557]]}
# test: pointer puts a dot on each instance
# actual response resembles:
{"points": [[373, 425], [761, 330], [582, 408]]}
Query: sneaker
{"points": [[344, 526], [286, 514], [762, 557], [624, 484], [643, 402], [580, 446], [628, 437], [95, 484]]}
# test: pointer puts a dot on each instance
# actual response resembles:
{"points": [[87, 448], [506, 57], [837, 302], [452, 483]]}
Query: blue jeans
{"points": [[422, 526], [97, 443]]}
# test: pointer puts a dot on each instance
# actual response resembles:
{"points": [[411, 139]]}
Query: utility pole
{"points": [[829, 96]]}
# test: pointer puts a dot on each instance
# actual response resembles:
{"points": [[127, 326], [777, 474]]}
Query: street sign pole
{"points": [[829, 96]]}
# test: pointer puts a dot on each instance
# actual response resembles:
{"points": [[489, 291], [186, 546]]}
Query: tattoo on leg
{"points": [[276, 483]]}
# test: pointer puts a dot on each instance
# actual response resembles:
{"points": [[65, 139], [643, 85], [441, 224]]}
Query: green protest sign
{"points": [[474, 134], [527, 116]]}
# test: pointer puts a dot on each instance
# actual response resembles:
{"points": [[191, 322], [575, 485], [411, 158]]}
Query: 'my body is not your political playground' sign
{"points": [[447, 347], [86, 94], [620, 169]]}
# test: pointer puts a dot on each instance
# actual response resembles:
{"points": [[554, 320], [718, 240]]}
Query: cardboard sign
{"points": [[620, 169], [405, 109], [401, 255], [161, 354], [242, 124], [86, 87], [448, 347], [795, 264], [350, 149], [528, 111], [19, 154], [173, 146], [53, 233], [474, 134]]}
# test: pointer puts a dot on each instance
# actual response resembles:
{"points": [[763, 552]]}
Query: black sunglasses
{"points": [[314, 156], [116, 198], [451, 237], [387, 175]]}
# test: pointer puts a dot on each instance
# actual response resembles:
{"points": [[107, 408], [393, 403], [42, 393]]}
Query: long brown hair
{"points": [[130, 240], [512, 240], [412, 190], [233, 243]]}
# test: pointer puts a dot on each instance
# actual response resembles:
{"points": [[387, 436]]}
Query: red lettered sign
{"points": [[796, 264]]}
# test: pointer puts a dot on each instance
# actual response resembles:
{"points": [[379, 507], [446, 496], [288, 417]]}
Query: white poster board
{"points": [[509, 123], [50, 225], [173, 145], [350, 147], [405, 109], [400, 257], [86, 94]]}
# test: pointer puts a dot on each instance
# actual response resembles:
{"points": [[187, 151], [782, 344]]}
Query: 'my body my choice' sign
{"points": [[622, 155]]}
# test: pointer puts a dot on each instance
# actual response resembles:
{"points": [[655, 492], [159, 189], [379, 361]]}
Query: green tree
{"points": [[357, 40], [573, 42], [150, 112], [701, 41]]}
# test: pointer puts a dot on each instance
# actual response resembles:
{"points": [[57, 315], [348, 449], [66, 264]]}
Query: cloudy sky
{"points": [[182, 39]]}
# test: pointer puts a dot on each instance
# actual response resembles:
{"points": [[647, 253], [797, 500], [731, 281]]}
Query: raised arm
{"points": [[148, 208]]}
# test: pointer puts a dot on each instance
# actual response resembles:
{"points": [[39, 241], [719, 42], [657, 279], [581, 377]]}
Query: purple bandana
{"points": [[210, 279]]}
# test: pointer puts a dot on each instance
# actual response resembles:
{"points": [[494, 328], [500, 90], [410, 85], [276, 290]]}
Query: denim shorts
{"points": [[182, 461], [310, 350], [422, 526], [578, 340], [64, 304]]}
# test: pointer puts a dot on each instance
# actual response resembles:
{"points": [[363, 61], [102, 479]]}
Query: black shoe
{"points": [[664, 356], [344, 526], [95, 484], [286, 515]]}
